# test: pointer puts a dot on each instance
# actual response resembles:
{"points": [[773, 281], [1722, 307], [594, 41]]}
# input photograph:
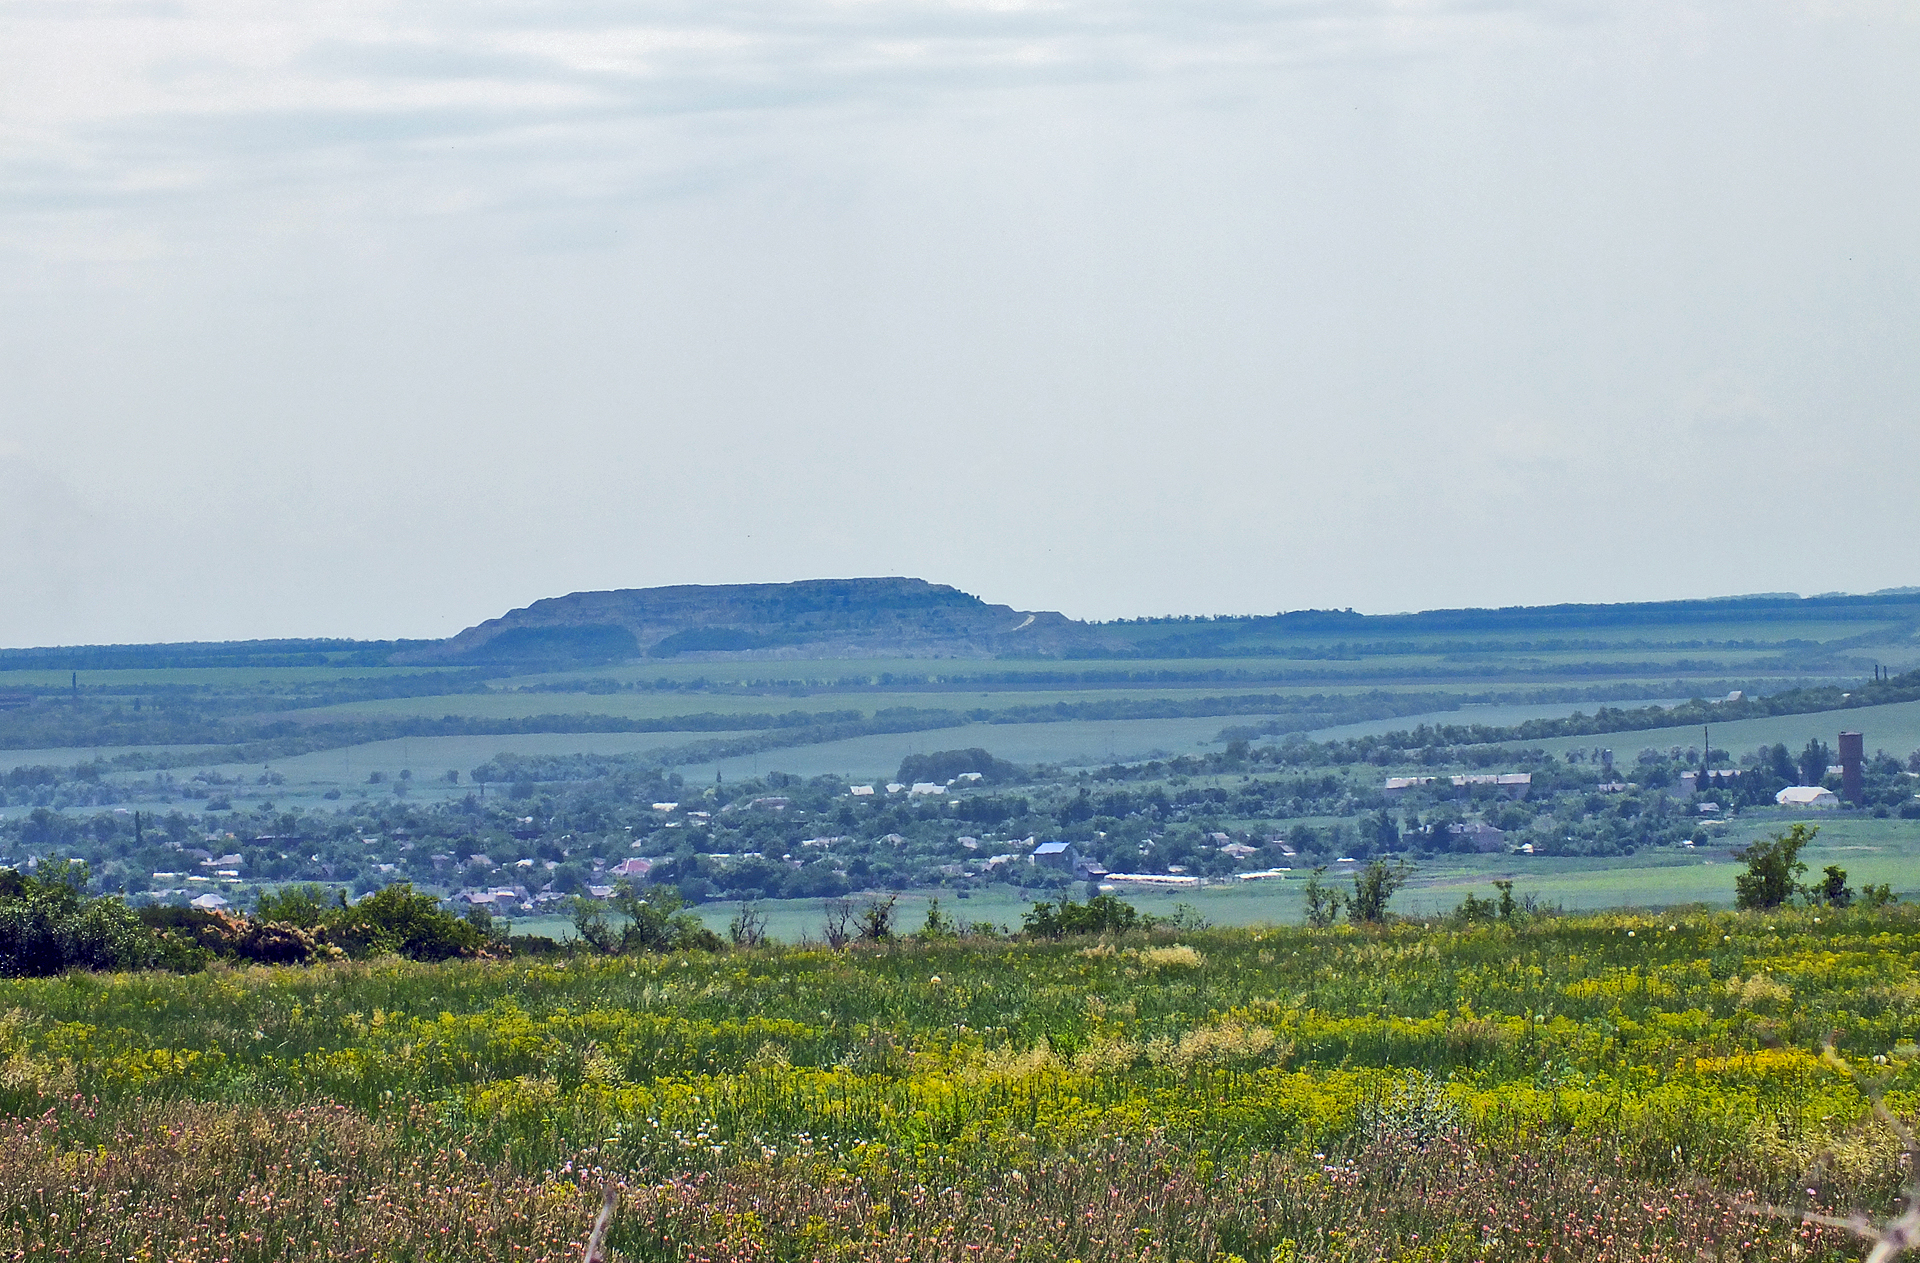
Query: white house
{"points": [[209, 902], [1807, 796]]}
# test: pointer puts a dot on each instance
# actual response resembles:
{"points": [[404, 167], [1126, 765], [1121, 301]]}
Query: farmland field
{"points": [[506, 704], [1604, 1087], [1894, 728]]}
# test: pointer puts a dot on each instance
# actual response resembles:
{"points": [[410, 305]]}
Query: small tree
{"points": [[1373, 886], [838, 929], [1773, 869], [1102, 914], [304, 906], [399, 921], [592, 924], [748, 927], [1834, 891], [875, 920], [938, 924], [1507, 906], [1323, 901], [657, 922]]}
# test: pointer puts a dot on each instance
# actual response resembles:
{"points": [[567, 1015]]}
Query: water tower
{"points": [[1852, 756]]}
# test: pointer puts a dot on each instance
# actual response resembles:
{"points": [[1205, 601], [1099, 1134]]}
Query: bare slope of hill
{"points": [[816, 617]]}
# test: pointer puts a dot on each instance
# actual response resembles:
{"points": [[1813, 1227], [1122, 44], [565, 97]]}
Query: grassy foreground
{"points": [[1582, 1088]]}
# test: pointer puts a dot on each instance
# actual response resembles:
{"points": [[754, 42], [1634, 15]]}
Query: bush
{"points": [[48, 925], [656, 922], [1323, 902], [1102, 914], [305, 906], [399, 922], [1373, 886], [196, 936]]}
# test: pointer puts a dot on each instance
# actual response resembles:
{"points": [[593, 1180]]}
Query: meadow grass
{"points": [[1592, 1087]]}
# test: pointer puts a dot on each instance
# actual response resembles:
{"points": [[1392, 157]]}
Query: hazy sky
{"points": [[372, 319]]}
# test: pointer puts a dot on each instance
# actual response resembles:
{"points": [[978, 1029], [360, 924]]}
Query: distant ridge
{"points": [[900, 617], [822, 617]]}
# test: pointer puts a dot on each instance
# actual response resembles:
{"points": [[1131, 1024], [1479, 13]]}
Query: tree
{"points": [[1381, 830], [938, 924], [1507, 906], [592, 924], [1834, 891], [304, 906], [875, 920], [1373, 886], [1814, 762], [1102, 914], [1773, 869], [398, 921], [657, 921], [748, 927], [838, 929], [1323, 901], [48, 925]]}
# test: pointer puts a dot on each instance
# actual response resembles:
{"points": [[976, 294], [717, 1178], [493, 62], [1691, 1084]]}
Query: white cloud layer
{"points": [[375, 318]]}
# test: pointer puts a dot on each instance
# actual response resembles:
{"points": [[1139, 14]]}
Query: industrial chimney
{"points": [[1852, 755]]}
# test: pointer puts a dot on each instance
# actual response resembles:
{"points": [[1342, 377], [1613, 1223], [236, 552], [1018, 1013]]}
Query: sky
{"points": [[377, 319]]}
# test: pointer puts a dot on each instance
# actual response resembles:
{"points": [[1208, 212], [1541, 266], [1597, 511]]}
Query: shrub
{"points": [[1323, 902], [399, 922], [1373, 886], [48, 925], [1102, 914], [306, 906], [197, 935], [655, 922]]}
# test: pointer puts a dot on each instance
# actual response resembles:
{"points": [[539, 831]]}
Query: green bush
{"points": [[655, 922], [1102, 914], [194, 936], [398, 922], [48, 925]]}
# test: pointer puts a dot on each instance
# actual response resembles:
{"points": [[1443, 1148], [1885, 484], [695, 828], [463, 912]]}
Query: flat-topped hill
{"points": [[822, 617]]}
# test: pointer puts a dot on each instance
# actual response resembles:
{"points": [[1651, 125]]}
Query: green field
{"points": [[1894, 728], [664, 706], [1597, 1089]]}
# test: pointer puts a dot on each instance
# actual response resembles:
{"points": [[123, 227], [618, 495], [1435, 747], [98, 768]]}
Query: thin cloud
{"points": [[112, 101]]}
